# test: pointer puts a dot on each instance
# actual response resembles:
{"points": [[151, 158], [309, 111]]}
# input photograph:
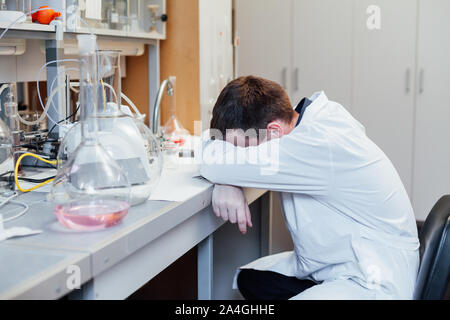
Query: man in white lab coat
{"points": [[346, 209]]}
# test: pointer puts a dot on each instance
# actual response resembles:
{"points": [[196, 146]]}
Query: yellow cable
{"points": [[16, 171]]}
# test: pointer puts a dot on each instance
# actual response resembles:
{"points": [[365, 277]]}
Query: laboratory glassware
{"points": [[153, 9], [11, 107], [116, 14], [128, 140], [174, 135], [12, 118], [25, 6], [173, 130], [91, 191], [11, 11], [6, 160]]}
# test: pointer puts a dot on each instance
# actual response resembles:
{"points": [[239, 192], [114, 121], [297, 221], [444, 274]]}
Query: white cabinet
{"points": [[322, 49], [263, 28], [383, 79], [432, 124], [303, 45]]}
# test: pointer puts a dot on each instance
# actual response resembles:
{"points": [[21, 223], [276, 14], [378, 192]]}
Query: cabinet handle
{"points": [[421, 80], [296, 79], [408, 81], [284, 78]]}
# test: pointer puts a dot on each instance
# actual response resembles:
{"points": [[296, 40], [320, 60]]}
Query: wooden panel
{"points": [[180, 58], [280, 238], [135, 85]]}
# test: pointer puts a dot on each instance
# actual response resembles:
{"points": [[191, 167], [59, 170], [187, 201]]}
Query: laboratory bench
{"points": [[116, 262]]}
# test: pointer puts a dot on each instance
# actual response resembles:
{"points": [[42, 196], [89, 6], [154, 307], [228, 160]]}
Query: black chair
{"points": [[434, 272]]}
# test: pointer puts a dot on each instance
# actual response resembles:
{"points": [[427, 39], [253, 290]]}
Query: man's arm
{"points": [[300, 163]]}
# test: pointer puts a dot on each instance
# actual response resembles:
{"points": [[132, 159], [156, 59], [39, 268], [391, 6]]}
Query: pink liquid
{"points": [[91, 215]]}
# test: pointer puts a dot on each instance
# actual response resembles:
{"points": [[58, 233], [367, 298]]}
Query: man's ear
{"points": [[274, 130]]}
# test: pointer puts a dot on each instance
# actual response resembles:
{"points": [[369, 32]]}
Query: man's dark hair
{"points": [[251, 103]]}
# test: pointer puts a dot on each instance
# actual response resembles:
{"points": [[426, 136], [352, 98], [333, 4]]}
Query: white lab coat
{"points": [[347, 211]]}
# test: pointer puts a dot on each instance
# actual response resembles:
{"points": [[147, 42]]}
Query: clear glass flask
{"points": [[91, 191], [173, 133], [173, 130], [128, 140]]}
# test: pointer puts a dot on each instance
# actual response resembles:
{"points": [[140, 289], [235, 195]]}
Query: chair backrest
{"points": [[434, 271]]}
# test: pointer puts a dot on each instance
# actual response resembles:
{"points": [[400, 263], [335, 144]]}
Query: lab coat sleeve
{"points": [[300, 162]]}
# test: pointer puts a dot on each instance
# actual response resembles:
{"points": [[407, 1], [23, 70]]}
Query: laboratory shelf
{"points": [[29, 30], [146, 35], [119, 34], [47, 32]]}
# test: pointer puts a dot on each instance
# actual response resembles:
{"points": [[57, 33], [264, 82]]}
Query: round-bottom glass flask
{"points": [[128, 140], [131, 144], [91, 191]]}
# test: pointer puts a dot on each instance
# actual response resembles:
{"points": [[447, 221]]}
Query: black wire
{"points": [[29, 146], [5, 173], [36, 180], [54, 126]]}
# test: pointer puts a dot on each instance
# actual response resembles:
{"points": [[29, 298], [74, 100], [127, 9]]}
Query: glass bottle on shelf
{"points": [[134, 14], [25, 6], [122, 8], [11, 11], [112, 15]]}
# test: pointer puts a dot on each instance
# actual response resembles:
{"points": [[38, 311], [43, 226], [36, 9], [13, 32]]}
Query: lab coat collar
{"points": [[319, 100]]}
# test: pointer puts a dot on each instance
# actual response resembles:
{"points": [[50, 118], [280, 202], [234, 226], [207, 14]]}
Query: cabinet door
{"points": [[264, 31], [432, 138], [322, 46], [383, 93]]}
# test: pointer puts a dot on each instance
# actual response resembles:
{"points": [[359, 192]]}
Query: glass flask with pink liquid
{"points": [[91, 191], [125, 137]]}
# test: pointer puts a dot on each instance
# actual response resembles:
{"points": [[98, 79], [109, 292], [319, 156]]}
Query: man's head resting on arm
{"points": [[251, 110]]}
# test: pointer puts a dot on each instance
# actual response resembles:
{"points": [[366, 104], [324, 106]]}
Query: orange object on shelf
{"points": [[45, 16]]}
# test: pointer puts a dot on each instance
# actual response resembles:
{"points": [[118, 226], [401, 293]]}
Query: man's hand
{"points": [[229, 203]]}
